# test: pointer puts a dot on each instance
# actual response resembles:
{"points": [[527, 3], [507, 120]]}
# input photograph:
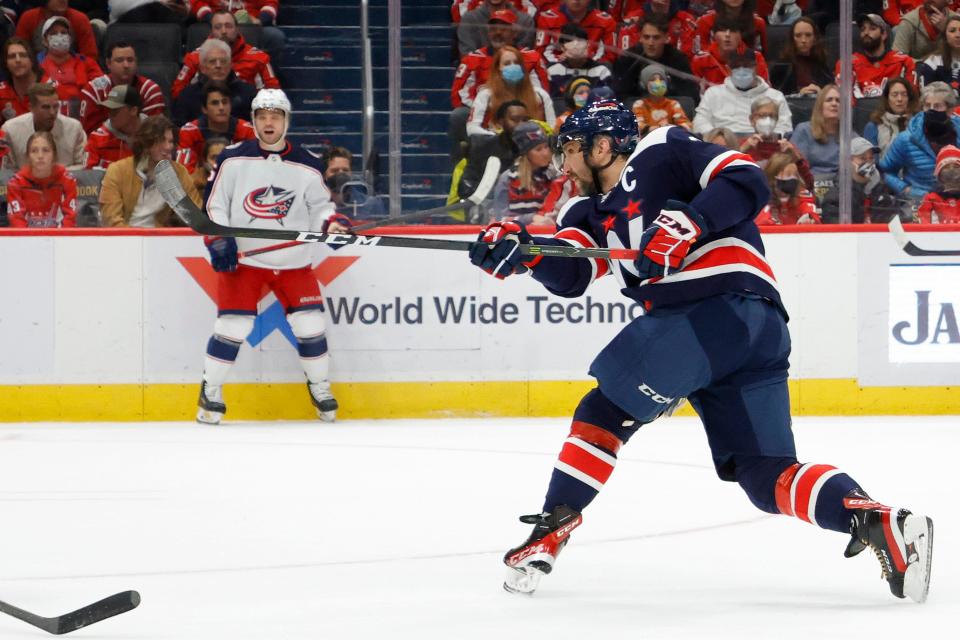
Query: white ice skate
{"points": [[211, 404], [323, 400]]}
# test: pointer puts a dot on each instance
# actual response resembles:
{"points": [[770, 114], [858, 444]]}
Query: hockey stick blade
{"points": [[84, 617], [908, 247]]}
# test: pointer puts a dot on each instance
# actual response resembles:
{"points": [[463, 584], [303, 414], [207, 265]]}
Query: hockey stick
{"points": [[92, 613], [489, 178], [173, 194], [903, 240]]}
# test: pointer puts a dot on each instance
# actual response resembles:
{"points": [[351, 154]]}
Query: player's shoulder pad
{"points": [[246, 148], [574, 211], [306, 157]]}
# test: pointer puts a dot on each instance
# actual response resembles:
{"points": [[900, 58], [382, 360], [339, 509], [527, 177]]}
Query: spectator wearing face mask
{"points": [[601, 30], [942, 206], [789, 202], [29, 26], [656, 110], [508, 81], [575, 61], [872, 200], [910, 160], [714, 64], [350, 195], [69, 71], [728, 104], [767, 141], [652, 47], [575, 96]]}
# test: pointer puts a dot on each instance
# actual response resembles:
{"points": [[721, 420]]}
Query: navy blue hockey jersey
{"points": [[726, 187]]}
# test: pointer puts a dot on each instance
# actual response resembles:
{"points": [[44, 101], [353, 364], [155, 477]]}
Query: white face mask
{"points": [[766, 125], [59, 42], [576, 49]]}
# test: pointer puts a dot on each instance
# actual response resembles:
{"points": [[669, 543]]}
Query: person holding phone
{"points": [[767, 141]]}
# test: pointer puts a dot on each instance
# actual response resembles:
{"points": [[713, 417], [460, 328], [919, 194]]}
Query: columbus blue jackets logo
{"points": [[269, 203]]}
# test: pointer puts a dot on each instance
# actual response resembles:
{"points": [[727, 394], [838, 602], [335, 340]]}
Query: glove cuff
{"points": [[680, 221]]}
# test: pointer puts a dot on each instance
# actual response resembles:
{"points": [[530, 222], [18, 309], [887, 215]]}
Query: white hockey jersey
{"points": [[270, 190]]}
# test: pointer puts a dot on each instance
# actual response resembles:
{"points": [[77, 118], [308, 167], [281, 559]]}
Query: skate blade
{"points": [[523, 581], [327, 416], [918, 533], [208, 417]]}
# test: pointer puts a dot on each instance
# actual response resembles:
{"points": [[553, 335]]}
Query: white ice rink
{"points": [[395, 529]]}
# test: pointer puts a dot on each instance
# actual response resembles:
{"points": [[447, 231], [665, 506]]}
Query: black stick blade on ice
{"points": [[85, 616]]}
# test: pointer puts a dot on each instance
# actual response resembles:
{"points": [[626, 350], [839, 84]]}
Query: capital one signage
{"points": [[924, 304]]}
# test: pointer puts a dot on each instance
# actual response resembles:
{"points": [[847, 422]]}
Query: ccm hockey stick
{"points": [[900, 235], [173, 194], [92, 613], [489, 178]]}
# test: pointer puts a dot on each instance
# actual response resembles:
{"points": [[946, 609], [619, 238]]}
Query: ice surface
{"points": [[395, 529]]}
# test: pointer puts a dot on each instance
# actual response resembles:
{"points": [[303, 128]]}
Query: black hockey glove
{"points": [[503, 258], [223, 253]]}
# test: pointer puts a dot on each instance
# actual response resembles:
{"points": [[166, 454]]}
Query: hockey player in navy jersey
{"points": [[714, 332], [268, 183]]}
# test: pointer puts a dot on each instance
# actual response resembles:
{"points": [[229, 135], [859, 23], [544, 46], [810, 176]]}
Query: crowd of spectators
{"points": [[759, 76]]}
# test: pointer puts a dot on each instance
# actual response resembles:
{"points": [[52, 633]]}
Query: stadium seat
{"points": [[777, 36], [199, 31], [800, 108], [861, 112], [689, 106], [153, 43], [831, 39], [163, 73]]}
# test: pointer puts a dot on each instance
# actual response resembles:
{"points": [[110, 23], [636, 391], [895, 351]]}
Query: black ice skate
{"points": [[323, 400], [535, 558], [902, 541], [211, 404]]}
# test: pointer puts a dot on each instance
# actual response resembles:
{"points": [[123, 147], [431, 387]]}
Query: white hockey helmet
{"points": [[273, 99]]}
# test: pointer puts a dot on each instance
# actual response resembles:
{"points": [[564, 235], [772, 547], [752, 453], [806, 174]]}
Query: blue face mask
{"points": [[512, 73], [742, 78]]}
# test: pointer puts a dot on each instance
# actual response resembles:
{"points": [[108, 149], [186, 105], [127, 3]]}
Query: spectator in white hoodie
{"points": [[727, 105]]}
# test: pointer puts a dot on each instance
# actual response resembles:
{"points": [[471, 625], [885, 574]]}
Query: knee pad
{"points": [[596, 410], [757, 476], [310, 329], [233, 327]]}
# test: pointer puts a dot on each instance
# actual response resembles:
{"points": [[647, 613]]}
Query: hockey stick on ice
{"points": [[173, 194], [900, 235], [92, 613], [489, 178]]}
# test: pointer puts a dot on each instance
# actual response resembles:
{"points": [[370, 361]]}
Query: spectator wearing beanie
{"points": [[42, 193], [656, 110], [576, 95], [942, 206]]}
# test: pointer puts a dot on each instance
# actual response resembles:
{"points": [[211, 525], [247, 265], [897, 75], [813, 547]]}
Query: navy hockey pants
{"points": [[728, 355]]}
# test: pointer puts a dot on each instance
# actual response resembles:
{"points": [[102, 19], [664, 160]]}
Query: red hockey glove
{"points": [[336, 219], [666, 242], [503, 258]]}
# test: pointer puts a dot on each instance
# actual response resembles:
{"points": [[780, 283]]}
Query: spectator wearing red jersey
{"points": [[460, 8], [600, 27], [508, 81], [789, 202], [806, 69], [121, 69], [894, 10], [249, 63], [214, 65], [69, 71], [942, 206], [653, 47], [920, 30], [711, 65], [30, 24], [262, 12], [655, 109], [473, 30], [21, 72], [42, 193], [113, 140], [681, 26], [752, 27], [875, 64], [523, 191], [216, 121]]}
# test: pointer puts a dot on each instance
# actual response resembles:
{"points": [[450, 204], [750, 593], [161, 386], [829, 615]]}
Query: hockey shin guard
{"points": [[221, 354], [310, 330], [815, 493]]}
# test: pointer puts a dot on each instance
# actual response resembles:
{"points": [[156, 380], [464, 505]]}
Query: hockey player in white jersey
{"points": [[267, 183]]}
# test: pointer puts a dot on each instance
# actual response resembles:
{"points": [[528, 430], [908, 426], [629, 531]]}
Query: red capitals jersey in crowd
{"points": [[200, 9], [474, 70], [869, 78], [705, 26], [194, 134], [940, 208], [790, 211], [250, 64], [681, 31], [71, 76], [12, 104], [92, 114], [893, 10], [106, 145], [710, 66], [529, 7], [601, 32], [37, 202]]}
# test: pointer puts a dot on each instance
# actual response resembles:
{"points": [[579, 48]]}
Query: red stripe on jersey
{"points": [[888, 518], [802, 494], [582, 239], [782, 489], [586, 462], [730, 255], [726, 161], [596, 436]]}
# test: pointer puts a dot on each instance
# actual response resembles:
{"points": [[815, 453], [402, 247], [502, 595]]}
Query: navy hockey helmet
{"points": [[607, 117]]}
